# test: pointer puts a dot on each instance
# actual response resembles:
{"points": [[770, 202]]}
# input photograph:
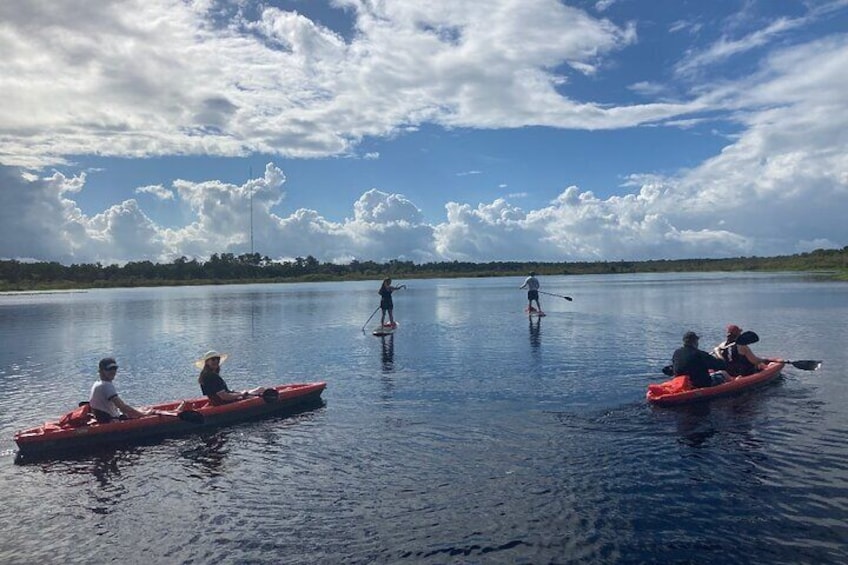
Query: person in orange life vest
{"points": [[104, 401], [213, 386], [741, 361]]}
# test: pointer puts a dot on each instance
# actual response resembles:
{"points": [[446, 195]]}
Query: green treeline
{"points": [[228, 268]]}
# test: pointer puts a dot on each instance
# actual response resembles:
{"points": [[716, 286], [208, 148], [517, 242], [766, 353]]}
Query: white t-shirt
{"points": [[532, 283], [102, 394]]}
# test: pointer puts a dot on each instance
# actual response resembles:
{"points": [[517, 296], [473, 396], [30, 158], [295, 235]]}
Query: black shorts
{"points": [[533, 295], [105, 417]]}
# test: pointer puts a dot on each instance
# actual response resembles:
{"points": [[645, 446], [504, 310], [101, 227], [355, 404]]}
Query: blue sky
{"points": [[497, 130]]}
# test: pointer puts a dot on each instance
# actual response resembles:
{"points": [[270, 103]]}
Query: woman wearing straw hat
{"points": [[213, 386]]}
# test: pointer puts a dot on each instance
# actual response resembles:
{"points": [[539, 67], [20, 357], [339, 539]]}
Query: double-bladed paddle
{"points": [[804, 365]]}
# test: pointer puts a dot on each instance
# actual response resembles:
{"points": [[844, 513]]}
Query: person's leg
{"points": [[382, 316], [391, 317], [719, 377], [102, 417]]}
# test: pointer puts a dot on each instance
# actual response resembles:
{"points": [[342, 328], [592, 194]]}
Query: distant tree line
{"points": [[228, 268]]}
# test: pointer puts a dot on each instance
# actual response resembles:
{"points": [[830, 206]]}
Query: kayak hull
{"points": [[677, 391], [52, 439]]}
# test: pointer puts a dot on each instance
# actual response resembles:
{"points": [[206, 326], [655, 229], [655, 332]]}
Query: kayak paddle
{"points": [[805, 365], [747, 338], [557, 295]]}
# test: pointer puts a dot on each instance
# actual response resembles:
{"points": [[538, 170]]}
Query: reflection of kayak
{"points": [[679, 391], [53, 438]]}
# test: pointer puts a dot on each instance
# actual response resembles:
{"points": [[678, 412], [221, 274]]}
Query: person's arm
{"points": [[713, 363], [231, 396], [718, 349], [676, 363], [126, 409], [757, 361], [750, 356]]}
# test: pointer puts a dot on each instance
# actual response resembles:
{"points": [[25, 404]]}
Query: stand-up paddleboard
{"points": [[534, 312], [384, 330]]}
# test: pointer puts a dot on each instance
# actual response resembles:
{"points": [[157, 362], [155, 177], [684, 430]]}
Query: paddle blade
{"points": [[568, 298], [668, 370], [747, 338], [191, 416], [806, 365]]}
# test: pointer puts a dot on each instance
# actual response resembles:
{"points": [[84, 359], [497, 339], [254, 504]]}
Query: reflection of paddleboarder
{"points": [[388, 352], [531, 283], [386, 304], [535, 332]]}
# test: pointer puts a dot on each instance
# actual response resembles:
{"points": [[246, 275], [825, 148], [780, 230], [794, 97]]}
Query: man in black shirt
{"points": [[689, 360]]}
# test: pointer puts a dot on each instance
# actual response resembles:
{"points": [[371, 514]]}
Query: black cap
{"points": [[108, 363], [689, 337]]}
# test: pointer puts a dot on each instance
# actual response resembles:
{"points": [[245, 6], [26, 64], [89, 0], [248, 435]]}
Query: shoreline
{"points": [[68, 287]]}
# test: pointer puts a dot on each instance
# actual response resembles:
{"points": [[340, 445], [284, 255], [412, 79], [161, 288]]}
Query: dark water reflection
{"points": [[460, 439]]}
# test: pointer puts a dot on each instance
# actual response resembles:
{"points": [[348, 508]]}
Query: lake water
{"points": [[472, 435]]}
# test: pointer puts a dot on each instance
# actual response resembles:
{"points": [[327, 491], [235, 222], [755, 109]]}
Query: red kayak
{"points": [[78, 430], [680, 391]]}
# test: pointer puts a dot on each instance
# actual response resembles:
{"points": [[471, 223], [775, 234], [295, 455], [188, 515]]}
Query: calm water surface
{"points": [[470, 436]]}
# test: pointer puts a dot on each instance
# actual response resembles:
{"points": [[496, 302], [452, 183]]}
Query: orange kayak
{"points": [[679, 391], [76, 432]]}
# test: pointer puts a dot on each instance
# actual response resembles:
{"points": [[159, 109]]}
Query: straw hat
{"points": [[209, 355]]}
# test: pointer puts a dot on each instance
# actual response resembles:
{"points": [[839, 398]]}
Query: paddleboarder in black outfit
{"points": [[386, 304]]}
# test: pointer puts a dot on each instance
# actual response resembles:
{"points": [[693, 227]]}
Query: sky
{"points": [[480, 130]]}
